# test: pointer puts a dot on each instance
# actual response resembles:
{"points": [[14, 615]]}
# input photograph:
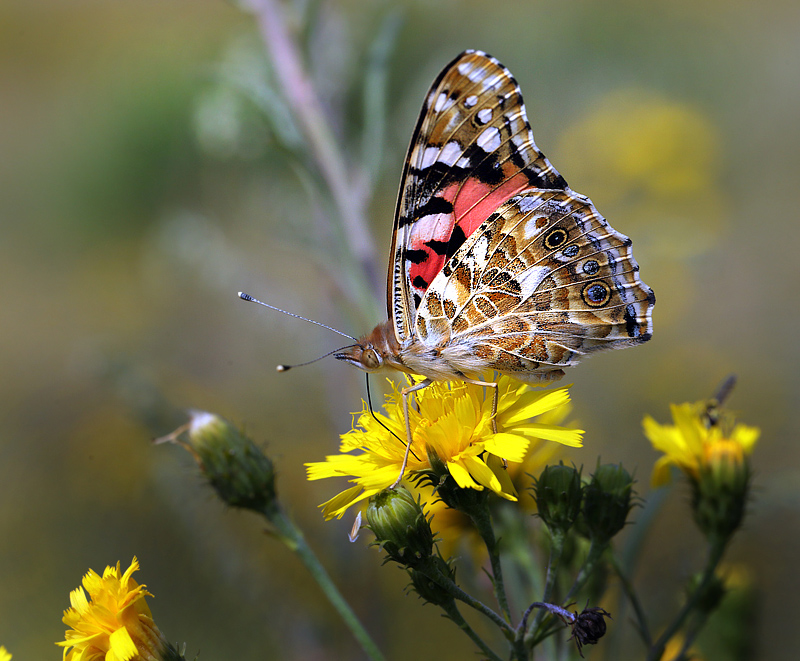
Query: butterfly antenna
{"points": [[247, 297], [286, 368]]}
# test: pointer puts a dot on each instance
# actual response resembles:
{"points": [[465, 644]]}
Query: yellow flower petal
{"points": [[512, 447], [453, 420], [570, 437]]}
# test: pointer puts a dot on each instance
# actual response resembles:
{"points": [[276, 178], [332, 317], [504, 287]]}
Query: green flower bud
{"points": [[400, 526], [719, 494], [241, 474], [558, 493], [607, 502]]}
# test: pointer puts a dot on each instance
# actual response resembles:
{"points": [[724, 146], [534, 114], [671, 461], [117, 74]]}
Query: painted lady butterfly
{"points": [[496, 264]]}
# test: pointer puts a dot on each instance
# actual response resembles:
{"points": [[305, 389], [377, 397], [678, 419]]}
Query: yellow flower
{"points": [[115, 623], [452, 420], [693, 444], [4, 655]]}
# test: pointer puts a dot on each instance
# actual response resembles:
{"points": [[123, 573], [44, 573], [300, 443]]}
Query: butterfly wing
{"points": [[543, 281], [471, 151]]}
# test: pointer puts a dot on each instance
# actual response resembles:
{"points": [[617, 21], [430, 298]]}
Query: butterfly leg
{"points": [[493, 385], [406, 392]]}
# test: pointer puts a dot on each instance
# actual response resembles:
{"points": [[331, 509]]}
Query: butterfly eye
{"points": [[370, 359], [596, 294], [554, 238]]}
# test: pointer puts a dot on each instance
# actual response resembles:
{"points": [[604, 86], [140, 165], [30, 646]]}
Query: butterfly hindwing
{"points": [[540, 283], [471, 151]]}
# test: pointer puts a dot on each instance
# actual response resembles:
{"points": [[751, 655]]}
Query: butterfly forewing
{"points": [[471, 151]]}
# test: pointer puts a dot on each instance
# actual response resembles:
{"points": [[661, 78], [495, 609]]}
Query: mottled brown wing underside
{"points": [[542, 282]]}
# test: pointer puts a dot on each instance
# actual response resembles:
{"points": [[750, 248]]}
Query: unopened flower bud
{"points": [[400, 526], [558, 493], [241, 474], [720, 490], [607, 502]]}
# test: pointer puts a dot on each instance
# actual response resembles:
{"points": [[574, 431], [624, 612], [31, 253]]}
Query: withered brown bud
{"points": [[589, 626]]}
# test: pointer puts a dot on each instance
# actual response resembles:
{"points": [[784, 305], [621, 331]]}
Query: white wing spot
{"points": [[489, 140], [448, 155], [470, 101], [529, 203], [443, 102], [531, 279], [472, 72], [484, 115]]}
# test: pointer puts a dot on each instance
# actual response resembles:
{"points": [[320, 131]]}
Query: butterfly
{"points": [[496, 265]]}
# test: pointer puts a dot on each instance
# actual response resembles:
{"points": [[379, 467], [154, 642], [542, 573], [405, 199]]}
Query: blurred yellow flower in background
{"points": [[4, 655], [115, 623], [692, 444], [452, 420]]}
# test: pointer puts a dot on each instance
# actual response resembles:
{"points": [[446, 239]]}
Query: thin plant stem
{"points": [[433, 573], [482, 520], [630, 593], [455, 615], [558, 539], [716, 550], [287, 532], [305, 104], [596, 551]]}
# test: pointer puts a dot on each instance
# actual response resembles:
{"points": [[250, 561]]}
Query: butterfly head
{"points": [[374, 351], [364, 356]]}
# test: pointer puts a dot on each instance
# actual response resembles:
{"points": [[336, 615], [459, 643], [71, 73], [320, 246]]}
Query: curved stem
{"points": [[290, 535], [455, 615], [630, 593], [558, 539], [456, 592], [482, 520], [596, 551], [717, 549], [304, 102]]}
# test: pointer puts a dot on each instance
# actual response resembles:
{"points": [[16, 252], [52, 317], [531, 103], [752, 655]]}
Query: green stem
{"points": [[455, 615], [558, 540], [630, 593], [596, 551], [433, 573], [302, 98], [290, 535], [714, 556], [483, 522]]}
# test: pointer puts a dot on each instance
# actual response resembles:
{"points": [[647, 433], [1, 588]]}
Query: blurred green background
{"points": [[142, 185]]}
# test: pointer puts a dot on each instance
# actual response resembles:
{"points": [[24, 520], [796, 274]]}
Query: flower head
{"points": [[4, 655], [695, 442], [709, 446], [451, 425], [114, 623]]}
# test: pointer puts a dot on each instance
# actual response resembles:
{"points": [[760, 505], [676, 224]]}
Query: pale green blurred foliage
{"points": [[147, 174]]}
